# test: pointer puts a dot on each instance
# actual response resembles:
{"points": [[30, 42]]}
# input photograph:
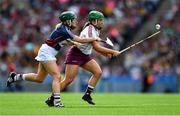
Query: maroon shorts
{"points": [[75, 56]]}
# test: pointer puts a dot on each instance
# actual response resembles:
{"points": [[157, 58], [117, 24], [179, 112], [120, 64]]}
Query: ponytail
{"points": [[58, 25], [86, 24]]}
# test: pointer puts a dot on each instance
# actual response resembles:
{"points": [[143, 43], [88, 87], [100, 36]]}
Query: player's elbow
{"points": [[96, 47]]}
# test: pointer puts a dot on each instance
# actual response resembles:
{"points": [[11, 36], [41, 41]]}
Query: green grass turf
{"points": [[106, 104]]}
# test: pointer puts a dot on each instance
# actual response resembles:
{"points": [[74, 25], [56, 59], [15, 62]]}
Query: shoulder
{"points": [[89, 29], [61, 28], [58, 25]]}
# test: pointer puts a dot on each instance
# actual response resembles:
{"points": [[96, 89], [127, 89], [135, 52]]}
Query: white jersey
{"points": [[89, 31]]}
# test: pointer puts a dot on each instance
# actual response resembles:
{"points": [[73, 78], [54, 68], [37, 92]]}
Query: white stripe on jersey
{"points": [[87, 32]]}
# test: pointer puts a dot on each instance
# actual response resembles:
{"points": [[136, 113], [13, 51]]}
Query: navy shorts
{"points": [[75, 56]]}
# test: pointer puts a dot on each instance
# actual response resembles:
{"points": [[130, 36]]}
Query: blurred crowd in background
{"points": [[25, 24]]}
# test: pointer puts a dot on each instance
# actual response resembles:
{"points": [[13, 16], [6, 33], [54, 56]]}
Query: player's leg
{"points": [[35, 77], [52, 68], [39, 77], [71, 72], [93, 67]]}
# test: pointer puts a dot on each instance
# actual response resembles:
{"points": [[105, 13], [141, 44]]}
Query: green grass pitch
{"points": [[106, 104]]}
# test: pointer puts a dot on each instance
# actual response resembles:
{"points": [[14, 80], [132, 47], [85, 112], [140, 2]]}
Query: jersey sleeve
{"points": [[68, 34], [91, 32]]}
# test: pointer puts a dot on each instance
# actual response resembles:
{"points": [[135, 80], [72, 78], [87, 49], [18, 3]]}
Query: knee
{"points": [[38, 80], [56, 76], [98, 73], [68, 81]]}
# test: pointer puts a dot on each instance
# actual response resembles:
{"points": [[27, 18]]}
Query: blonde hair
{"points": [[58, 25]]}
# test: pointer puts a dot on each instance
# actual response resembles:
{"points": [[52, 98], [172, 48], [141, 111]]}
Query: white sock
{"points": [[57, 99], [18, 77], [89, 89], [23, 77], [90, 86]]}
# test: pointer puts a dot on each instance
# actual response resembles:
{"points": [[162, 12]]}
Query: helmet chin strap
{"points": [[69, 23], [95, 24]]}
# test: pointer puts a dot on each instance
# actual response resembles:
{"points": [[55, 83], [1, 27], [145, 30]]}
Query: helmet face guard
{"points": [[68, 17], [95, 15]]}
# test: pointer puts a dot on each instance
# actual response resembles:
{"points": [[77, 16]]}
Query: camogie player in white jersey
{"points": [[46, 57], [80, 57]]}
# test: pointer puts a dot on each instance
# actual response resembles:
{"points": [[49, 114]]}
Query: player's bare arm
{"points": [[106, 55], [85, 40], [104, 51], [77, 44]]}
